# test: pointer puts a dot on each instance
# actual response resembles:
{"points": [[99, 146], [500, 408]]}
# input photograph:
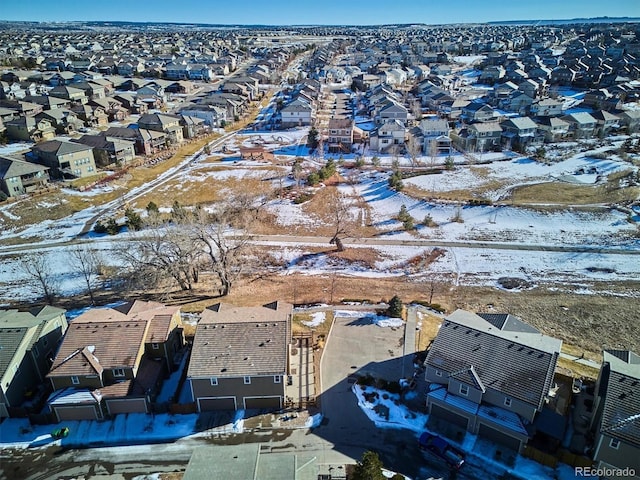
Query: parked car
{"points": [[441, 449]]}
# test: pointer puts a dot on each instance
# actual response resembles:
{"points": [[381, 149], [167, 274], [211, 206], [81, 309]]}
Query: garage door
{"points": [[209, 404], [137, 405], [270, 403], [499, 437], [438, 411], [76, 413]]}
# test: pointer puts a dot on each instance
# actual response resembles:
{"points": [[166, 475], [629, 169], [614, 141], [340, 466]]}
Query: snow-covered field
{"points": [[484, 243]]}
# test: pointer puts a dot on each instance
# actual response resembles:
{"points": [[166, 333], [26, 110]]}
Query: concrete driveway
{"points": [[359, 343]]}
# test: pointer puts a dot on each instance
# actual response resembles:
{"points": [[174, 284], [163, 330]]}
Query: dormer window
{"points": [[464, 390]]}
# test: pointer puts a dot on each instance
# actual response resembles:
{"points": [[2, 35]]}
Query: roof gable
{"points": [[516, 362]]}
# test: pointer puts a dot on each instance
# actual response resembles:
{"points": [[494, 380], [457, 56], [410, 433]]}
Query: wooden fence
{"points": [[564, 456]]}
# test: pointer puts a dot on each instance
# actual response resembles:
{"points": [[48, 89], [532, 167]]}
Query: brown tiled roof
{"points": [[103, 338], [237, 341], [113, 344]]}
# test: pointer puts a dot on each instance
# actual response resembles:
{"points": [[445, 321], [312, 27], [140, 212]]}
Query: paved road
{"points": [[361, 242]]}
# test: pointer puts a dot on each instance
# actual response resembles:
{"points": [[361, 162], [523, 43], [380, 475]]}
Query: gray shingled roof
{"points": [[241, 341], [510, 359], [61, 148], [621, 411], [12, 167]]}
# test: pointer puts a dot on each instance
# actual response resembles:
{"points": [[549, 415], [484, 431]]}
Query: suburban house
{"points": [[490, 374], [435, 134], [479, 137], [630, 119], [616, 419], [390, 110], [388, 137], [554, 129], [65, 159], [518, 132], [213, 115], [581, 124], [606, 122], [546, 107], [239, 358], [340, 135], [18, 177], [169, 124], [28, 340], [297, 113], [478, 112], [112, 360], [109, 150], [29, 129]]}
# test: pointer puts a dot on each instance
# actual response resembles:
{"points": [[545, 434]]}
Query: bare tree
{"points": [[38, 269], [341, 218], [414, 149], [223, 235], [87, 262], [166, 251]]}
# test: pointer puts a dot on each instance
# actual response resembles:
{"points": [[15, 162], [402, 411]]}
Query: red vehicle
{"points": [[442, 449]]}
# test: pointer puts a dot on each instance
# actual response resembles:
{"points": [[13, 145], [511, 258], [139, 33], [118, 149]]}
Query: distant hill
{"points": [[568, 21]]}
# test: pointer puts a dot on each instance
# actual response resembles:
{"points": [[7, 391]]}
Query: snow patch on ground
{"points": [[314, 421], [317, 318]]}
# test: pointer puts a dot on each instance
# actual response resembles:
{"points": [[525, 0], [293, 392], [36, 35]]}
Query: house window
{"points": [[118, 372], [507, 402], [214, 381], [247, 380], [614, 443], [438, 373], [464, 390], [155, 346], [75, 380], [276, 379]]}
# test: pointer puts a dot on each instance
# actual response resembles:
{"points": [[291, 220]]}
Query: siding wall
{"points": [[235, 387], [624, 456]]}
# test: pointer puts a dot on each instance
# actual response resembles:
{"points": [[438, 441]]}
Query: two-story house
{"points": [[239, 358], [18, 177], [546, 107], [297, 113], [490, 374], [606, 122], [518, 132], [109, 150], [27, 341], [554, 129], [64, 159], [435, 133], [616, 419], [478, 112], [340, 135], [106, 363], [169, 124], [581, 125], [29, 129], [389, 137]]}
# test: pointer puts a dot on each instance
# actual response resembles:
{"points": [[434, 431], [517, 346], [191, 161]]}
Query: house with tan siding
{"points": [[107, 363], [240, 357]]}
